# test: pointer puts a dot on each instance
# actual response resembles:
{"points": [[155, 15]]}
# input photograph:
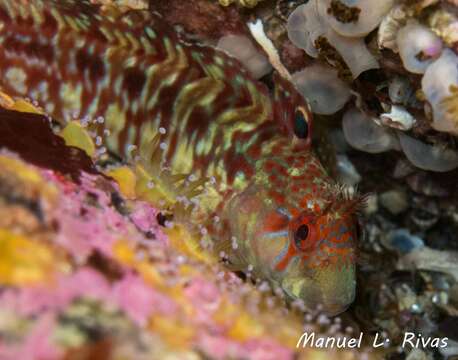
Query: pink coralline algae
{"points": [[223, 348], [37, 345], [121, 273], [139, 301], [84, 227]]}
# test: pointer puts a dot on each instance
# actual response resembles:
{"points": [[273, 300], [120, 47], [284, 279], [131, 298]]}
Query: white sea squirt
{"points": [[362, 133], [428, 157], [440, 86], [418, 47], [308, 23], [242, 48], [320, 85], [304, 26], [369, 14]]}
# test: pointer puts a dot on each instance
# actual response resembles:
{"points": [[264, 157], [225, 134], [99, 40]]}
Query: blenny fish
{"points": [[192, 113]]}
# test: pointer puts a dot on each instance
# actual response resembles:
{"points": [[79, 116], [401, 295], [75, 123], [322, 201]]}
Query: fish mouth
{"points": [[335, 309], [330, 292]]}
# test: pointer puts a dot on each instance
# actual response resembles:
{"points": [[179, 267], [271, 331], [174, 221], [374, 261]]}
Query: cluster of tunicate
{"points": [[422, 50], [363, 133], [340, 24], [242, 48]]}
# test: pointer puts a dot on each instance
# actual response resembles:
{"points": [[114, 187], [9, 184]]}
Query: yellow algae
{"points": [[137, 182], [182, 241], [242, 326], [174, 332], [6, 101], [245, 327], [146, 192], [150, 274], [189, 270], [27, 174], [124, 253], [287, 334], [225, 311], [76, 135], [21, 105], [25, 106], [24, 261], [126, 180]]}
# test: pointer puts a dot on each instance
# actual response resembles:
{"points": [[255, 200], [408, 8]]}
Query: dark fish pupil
{"points": [[300, 126], [301, 234]]}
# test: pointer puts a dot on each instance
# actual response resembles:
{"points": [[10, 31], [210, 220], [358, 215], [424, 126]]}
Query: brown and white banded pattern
{"points": [[135, 72]]}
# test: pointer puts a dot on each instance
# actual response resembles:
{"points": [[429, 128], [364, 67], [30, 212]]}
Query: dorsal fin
{"points": [[132, 29]]}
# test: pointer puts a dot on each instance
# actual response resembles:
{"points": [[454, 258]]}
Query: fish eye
{"points": [[301, 126], [300, 236]]}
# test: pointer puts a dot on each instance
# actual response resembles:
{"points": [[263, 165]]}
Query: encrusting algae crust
{"points": [[145, 288]]}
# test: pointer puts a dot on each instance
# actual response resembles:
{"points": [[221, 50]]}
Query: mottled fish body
{"points": [[196, 111]]}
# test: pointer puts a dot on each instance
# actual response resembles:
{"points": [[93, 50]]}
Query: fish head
{"points": [[301, 235], [314, 259]]}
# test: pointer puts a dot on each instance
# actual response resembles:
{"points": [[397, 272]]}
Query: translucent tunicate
{"points": [[243, 49], [418, 47], [355, 18], [307, 24], [428, 157], [304, 26], [440, 86], [362, 133], [354, 52], [320, 85]]}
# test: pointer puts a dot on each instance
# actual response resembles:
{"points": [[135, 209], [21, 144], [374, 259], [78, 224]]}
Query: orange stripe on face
{"points": [[282, 264], [275, 222]]}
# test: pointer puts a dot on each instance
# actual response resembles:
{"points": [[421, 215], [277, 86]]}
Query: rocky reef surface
{"points": [[91, 268]]}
